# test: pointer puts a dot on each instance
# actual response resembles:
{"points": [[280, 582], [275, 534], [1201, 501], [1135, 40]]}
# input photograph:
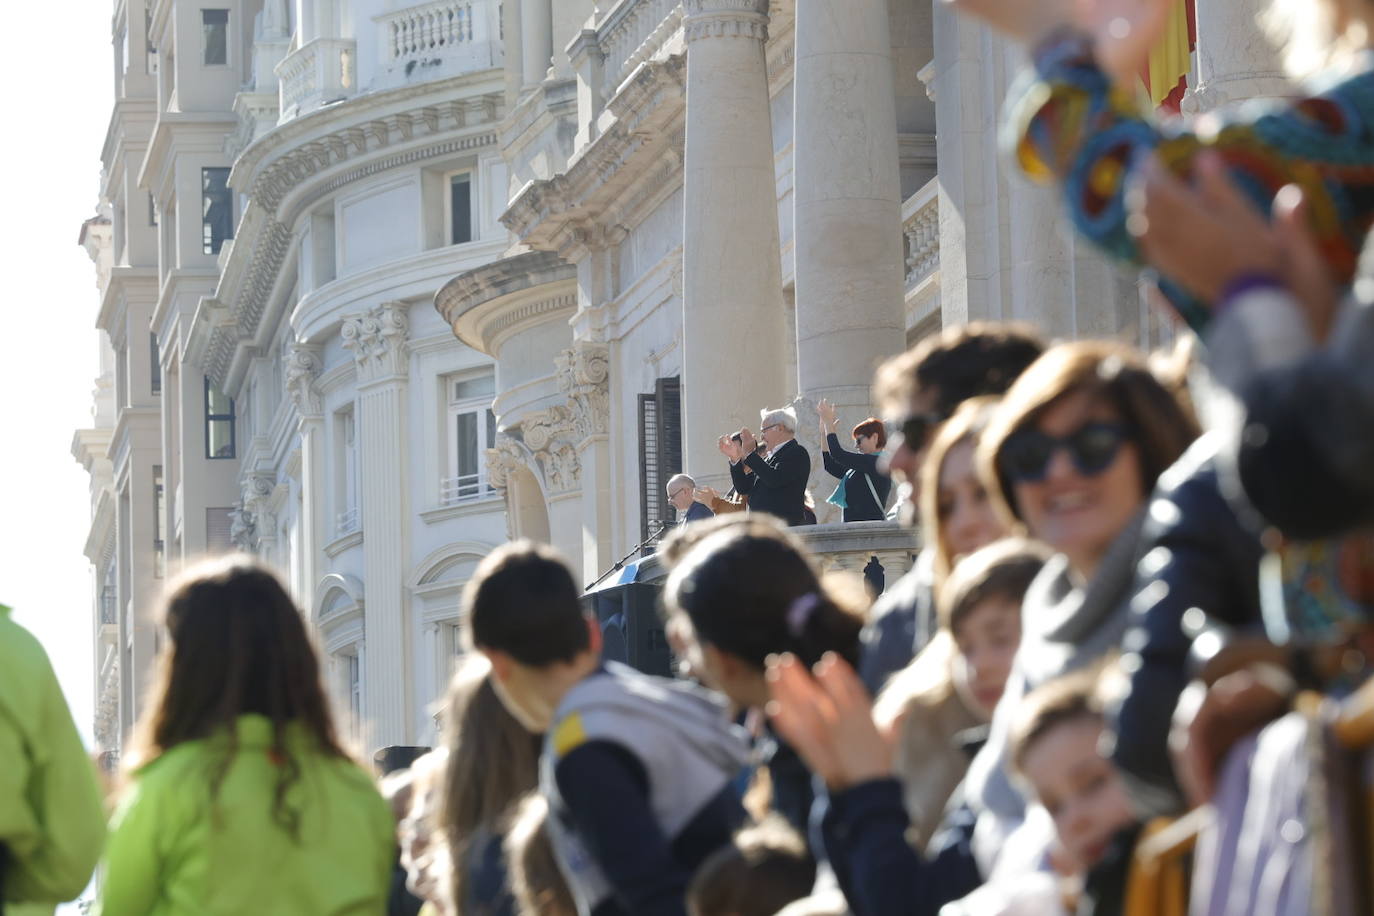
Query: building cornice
{"points": [[192, 131], [585, 207], [126, 283], [131, 124], [484, 305]]}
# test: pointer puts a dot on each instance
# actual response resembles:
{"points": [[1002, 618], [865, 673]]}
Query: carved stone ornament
{"points": [[504, 459], [583, 374], [378, 341], [243, 532], [303, 367]]}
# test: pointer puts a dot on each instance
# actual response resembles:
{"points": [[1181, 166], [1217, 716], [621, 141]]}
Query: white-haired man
{"points": [[777, 483], [682, 497]]}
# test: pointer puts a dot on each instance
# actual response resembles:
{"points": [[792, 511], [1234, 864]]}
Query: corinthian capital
{"points": [[378, 341], [583, 373], [725, 19], [303, 367]]}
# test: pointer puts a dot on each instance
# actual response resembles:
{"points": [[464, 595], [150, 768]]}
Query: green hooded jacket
{"points": [[177, 847], [52, 824]]}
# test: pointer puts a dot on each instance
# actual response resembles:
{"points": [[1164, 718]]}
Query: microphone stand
{"points": [[620, 564]]}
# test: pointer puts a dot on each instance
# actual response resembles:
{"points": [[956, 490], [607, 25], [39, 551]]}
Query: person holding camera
{"points": [[775, 483]]}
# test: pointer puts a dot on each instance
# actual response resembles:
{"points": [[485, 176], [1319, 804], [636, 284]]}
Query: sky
{"points": [[58, 107]]}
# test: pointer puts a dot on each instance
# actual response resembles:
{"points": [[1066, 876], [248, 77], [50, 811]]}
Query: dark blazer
{"points": [[777, 485], [859, 503], [696, 512]]}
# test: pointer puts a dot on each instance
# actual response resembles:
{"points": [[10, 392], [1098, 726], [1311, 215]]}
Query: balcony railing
{"points": [[441, 38], [347, 522], [321, 72], [921, 228], [464, 488], [632, 33]]}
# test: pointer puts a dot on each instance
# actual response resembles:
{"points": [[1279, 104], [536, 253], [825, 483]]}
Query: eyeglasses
{"points": [[916, 428], [1092, 448], [770, 426], [676, 493]]}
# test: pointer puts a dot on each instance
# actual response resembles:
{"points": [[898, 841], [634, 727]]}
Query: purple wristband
{"points": [[1247, 282]]}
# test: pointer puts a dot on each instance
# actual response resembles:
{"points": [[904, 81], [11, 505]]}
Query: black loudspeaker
{"points": [[631, 631]]}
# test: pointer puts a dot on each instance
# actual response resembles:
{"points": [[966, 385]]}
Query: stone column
{"points": [[536, 34], [1235, 59], [848, 202], [734, 329], [378, 341], [303, 367]]}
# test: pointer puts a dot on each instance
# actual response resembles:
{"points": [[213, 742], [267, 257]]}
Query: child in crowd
{"points": [[766, 868], [741, 594], [638, 771], [241, 799], [938, 703], [425, 852], [535, 881], [492, 763]]}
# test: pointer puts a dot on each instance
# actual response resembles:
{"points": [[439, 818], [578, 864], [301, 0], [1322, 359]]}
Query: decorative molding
{"points": [[252, 520], [303, 367], [548, 441], [378, 341]]}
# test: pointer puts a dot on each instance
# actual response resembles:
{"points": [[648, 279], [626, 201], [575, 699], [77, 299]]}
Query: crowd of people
{"points": [[1128, 672]]}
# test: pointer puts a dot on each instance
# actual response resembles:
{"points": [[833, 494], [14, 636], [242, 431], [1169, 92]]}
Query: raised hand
{"points": [[747, 442], [829, 418], [729, 448], [827, 719]]}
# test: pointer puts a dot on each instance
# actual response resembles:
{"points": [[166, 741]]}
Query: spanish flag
{"points": [[1166, 74]]}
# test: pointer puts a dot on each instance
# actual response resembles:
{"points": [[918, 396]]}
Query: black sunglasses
{"points": [[1092, 448]]}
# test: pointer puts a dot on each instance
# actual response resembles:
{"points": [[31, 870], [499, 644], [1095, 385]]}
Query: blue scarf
{"points": [[838, 498]]}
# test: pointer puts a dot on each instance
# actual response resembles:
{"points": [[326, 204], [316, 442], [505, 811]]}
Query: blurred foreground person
{"points": [[240, 799], [51, 822]]}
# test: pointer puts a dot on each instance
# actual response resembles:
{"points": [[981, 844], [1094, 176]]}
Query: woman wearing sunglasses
{"points": [[1070, 458]]}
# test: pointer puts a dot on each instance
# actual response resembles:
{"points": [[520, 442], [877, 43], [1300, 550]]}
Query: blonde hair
{"points": [[1312, 36], [966, 426]]}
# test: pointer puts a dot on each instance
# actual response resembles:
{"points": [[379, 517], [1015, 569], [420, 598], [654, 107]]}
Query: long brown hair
{"points": [[237, 646], [492, 762], [966, 425]]}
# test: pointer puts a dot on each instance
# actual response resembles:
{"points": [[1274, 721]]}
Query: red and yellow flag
{"points": [[1165, 75]]}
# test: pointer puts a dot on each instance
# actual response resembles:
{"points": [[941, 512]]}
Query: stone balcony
{"points": [[316, 74], [437, 40], [839, 547], [921, 246], [632, 32]]}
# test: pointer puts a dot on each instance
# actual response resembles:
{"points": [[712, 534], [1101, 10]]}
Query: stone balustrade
{"points": [[921, 228], [840, 547], [441, 38], [320, 72], [631, 33]]}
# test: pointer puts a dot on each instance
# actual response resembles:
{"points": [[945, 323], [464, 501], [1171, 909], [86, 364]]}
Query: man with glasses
{"points": [[682, 497], [917, 391], [776, 482]]}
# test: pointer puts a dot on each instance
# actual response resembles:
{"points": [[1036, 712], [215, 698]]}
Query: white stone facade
{"points": [[501, 268]]}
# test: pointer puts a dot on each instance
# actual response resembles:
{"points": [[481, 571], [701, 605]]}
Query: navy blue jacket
{"points": [[859, 503], [778, 485]]}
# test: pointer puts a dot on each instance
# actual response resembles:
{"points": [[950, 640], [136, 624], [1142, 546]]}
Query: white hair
{"points": [[677, 479], [785, 417], [1306, 31]]}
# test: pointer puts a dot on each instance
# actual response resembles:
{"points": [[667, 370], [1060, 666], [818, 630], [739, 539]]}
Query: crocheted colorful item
{"points": [[1068, 123]]}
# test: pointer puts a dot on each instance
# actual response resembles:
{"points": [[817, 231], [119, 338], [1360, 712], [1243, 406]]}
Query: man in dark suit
{"points": [[776, 483], [682, 497]]}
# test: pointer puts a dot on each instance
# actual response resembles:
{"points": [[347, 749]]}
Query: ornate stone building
{"points": [[414, 278]]}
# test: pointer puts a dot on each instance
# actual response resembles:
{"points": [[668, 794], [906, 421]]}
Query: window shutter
{"points": [[660, 451]]}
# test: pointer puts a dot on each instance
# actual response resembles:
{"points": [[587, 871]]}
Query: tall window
{"points": [[355, 694], [346, 461], [471, 431], [216, 209], [219, 423], [159, 507], [154, 364], [214, 28], [660, 451], [460, 208], [219, 523]]}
